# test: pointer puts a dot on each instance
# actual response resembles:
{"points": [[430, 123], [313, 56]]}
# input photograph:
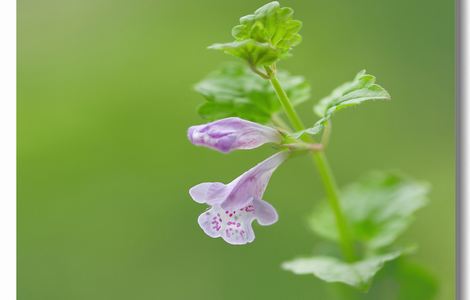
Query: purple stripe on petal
{"points": [[252, 184]]}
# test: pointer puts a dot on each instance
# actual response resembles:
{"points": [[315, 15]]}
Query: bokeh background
{"points": [[104, 100]]}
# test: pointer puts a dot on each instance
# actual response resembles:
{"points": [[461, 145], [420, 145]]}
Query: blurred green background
{"points": [[105, 98]]}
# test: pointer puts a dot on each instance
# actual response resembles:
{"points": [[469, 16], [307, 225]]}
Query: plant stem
{"points": [[325, 139], [278, 121], [286, 104], [333, 199], [324, 169]]}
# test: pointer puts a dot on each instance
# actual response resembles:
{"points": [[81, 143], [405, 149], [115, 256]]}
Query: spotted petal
{"points": [[234, 226], [230, 134]]}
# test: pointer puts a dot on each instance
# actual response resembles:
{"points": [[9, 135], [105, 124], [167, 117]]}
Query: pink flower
{"points": [[234, 206]]}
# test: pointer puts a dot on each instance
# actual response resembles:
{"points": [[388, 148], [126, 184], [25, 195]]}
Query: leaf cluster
{"points": [[379, 208], [264, 37], [235, 91]]}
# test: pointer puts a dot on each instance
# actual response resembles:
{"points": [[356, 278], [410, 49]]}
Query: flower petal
{"points": [[211, 222], [209, 192], [230, 134], [233, 226], [265, 213], [252, 184]]}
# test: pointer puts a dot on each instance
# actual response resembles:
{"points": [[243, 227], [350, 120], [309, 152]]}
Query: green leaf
{"points": [[403, 280], [235, 91], [415, 283], [379, 207], [255, 53], [330, 269], [264, 37], [363, 88]]}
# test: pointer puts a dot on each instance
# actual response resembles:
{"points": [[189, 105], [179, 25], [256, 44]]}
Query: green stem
{"points": [[324, 169], [278, 121], [325, 139], [286, 104], [331, 188]]}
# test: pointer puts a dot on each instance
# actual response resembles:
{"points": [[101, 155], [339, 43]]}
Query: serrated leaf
{"points": [[330, 269], [255, 53], [379, 207], [363, 88], [264, 37], [235, 91]]}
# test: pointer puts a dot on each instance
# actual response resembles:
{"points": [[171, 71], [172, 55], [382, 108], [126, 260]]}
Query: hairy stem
{"points": [[324, 169]]}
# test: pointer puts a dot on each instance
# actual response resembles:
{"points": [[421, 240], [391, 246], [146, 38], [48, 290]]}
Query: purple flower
{"points": [[230, 134], [234, 206]]}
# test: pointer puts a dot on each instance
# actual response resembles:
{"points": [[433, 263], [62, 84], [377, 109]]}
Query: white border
{"points": [[8, 149]]}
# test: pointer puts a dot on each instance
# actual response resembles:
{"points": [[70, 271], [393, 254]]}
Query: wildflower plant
{"points": [[246, 104]]}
